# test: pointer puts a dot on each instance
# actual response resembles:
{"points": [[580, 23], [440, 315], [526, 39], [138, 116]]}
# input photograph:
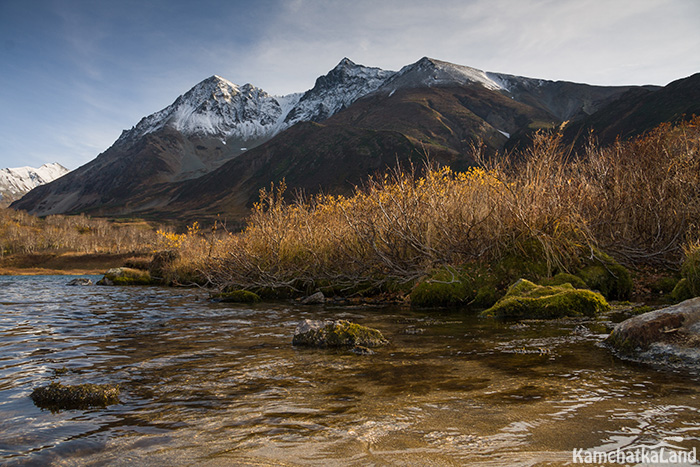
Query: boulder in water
{"points": [[339, 333], [669, 336]]}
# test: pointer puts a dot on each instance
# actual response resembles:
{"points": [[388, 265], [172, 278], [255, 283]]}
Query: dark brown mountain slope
{"points": [[638, 111]]}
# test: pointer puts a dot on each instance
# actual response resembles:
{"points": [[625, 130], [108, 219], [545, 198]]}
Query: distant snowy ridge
{"points": [[219, 108], [16, 182], [431, 72]]}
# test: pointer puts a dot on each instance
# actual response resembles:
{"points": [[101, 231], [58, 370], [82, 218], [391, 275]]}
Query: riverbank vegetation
{"points": [[465, 237], [77, 244]]}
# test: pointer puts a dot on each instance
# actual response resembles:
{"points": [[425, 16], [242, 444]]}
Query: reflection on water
{"points": [[219, 384]]}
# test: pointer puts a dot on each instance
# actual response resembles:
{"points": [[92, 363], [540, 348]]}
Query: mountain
{"points": [[639, 110], [218, 144], [430, 107], [212, 123], [335, 91], [14, 183]]}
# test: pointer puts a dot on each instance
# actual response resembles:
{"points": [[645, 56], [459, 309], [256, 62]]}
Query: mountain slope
{"points": [[640, 110], [212, 123], [14, 183]]}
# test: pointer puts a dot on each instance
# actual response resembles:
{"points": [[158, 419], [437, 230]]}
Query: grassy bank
{"points": [[64, 263], [70, 244]]}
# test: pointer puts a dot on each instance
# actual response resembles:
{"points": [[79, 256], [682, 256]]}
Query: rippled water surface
{"points": [[218, 384]]}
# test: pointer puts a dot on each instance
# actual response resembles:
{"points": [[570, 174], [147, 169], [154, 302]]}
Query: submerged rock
{"points": [[80, 281], [670, 335], [126, 276], [526, 300], [340, 333], [57, 396]]}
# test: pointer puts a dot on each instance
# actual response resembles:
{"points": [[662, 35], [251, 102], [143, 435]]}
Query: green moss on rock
{"points": [[57, 396], [469, 284], [447, 287], [126, 276], [340, 333], [237, 296], [526, 299], [607, 276], [565, 278], [682, 291]]}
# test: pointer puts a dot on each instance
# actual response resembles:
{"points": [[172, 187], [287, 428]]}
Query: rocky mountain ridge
{"points": [[218, 143]]}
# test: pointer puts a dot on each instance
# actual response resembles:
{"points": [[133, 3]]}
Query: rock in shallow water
{"points": [[668, 336], [126, 276], [340, 333], [526, 300], [57, 396], [80, 281]]}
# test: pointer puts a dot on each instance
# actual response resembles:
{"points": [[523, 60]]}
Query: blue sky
{"points": [[76, 73]]}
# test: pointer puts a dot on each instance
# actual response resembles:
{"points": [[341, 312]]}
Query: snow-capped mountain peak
{"points": [[336, 90], [218, 108], [20, 180], [431, 72]]}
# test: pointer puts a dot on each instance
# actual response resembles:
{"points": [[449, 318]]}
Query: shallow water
{"points": [[218, 384]]}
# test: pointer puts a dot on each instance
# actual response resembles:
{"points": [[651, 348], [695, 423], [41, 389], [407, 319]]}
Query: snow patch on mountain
{"points": [[432, 72], [20, 180], [217, 107], [336, 90]]}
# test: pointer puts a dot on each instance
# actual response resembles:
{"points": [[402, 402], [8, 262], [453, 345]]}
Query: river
{"points": [[207, 383]]}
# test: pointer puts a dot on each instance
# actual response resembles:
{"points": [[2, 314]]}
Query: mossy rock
{"points": [[527, 300], [682, 291], [340, 333], [470, 284], [126, 276], [446, 287], [57, 396], [237, 296], [608, 277], [565, 278]]}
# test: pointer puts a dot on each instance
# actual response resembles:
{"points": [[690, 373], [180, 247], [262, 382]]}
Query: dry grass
{"points": [[22, 233], [636, 200]]}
